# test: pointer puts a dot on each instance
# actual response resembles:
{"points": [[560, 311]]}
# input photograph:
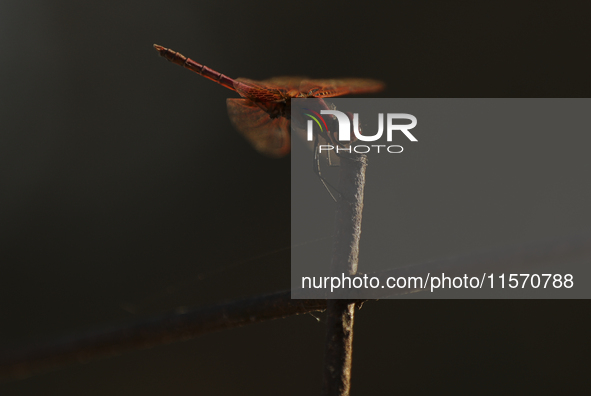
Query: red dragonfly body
{"points": [[263, 114]]}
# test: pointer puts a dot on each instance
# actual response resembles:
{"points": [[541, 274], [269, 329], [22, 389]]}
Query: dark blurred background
{"points": [[112, 210]]}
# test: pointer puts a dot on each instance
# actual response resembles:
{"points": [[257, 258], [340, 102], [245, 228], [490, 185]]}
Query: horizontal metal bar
{"points": [[176, 327]]}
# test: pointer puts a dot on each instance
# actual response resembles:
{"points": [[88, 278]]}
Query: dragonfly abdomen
{"points": [[198, 68]]}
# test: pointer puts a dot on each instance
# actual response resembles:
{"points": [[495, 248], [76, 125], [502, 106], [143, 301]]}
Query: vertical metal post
{"points": [[340, 313]]}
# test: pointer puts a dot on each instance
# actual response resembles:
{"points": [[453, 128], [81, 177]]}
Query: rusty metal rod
{"points": [[176, 327], [153, 331], [340, 314]]}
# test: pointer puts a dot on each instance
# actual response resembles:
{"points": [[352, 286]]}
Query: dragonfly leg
{"points": [[316, 169]]}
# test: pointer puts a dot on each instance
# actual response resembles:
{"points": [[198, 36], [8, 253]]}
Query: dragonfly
{"points": [[263, 113]]}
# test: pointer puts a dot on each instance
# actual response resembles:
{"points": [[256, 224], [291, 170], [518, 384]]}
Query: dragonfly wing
{"points": [[339, 87], [268, 136], [259, 91], [288, 82]]}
